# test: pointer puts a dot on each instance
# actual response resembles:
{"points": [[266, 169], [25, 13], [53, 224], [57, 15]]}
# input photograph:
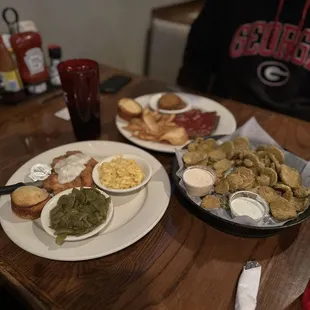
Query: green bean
{"points": [[78, 213]]}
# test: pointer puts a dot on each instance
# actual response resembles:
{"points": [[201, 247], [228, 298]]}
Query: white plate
{"points": [[134, 215], [154, 104], [45, 217], [226, 126], [142, 164]]}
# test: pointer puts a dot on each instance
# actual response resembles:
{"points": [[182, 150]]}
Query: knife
{"points": [[5, 190], [38, 173]]}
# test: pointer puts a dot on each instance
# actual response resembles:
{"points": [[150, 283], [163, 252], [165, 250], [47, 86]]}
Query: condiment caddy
{"points": [[23, 70]]}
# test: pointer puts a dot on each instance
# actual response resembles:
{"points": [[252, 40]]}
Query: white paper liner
{"points": [[257, 136]]}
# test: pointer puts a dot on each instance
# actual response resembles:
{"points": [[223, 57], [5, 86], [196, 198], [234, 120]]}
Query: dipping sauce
{"points": [[198, 177], [71, 167], [245, 206], [120, 173], [198, 180]]}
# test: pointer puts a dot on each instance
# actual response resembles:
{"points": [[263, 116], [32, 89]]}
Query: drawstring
{"points": [[280, 7], [291, 49], [272, 37], [304, 15]]}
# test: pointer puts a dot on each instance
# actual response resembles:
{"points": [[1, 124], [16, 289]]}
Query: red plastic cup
{"points": [[80, 83]]}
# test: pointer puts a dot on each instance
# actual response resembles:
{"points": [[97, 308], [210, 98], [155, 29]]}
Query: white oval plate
{"points": [[154, 104], [51, 204], [134, 215], [226, 126], [142, 163]]}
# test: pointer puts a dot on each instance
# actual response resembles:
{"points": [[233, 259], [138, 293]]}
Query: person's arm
{"points": [[200, 53]]}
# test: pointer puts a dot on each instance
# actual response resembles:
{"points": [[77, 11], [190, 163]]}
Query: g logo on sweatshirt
{"points": [[273, 73]]}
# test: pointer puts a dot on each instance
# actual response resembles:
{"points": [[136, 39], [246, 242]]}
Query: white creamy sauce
{"points": [[71, 167], [247, 206], [198, 177]]}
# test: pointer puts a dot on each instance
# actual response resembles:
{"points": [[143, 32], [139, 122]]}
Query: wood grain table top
{"points": [[182, 263]]}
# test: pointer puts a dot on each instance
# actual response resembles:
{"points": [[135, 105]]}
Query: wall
{"points": [[110, 31]]}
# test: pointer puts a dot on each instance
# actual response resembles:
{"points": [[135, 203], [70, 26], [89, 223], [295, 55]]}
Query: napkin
{"points": [[248, 286], [63, 114]]}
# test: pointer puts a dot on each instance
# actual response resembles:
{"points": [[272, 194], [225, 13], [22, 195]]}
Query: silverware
{"points": [[251, 264], [5, 190], [38, 173]]}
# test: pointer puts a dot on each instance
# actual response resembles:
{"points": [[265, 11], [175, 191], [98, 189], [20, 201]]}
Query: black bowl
{"points": [[225, 225]]}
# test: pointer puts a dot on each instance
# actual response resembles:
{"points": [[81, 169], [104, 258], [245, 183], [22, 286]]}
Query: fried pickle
{"points": [[290, 176], [282, 210], [210, 202]]}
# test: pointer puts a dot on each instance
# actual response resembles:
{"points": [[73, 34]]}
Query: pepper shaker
{"points": [[54, 52]]}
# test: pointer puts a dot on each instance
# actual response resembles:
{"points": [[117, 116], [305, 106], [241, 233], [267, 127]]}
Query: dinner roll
{"points": [[128, 109], [27, 202]]}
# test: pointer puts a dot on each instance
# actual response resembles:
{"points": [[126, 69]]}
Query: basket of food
{"points": [[244, 184]]}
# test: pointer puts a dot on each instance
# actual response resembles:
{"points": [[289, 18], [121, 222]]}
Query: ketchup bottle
{"points": [[27, 47]]}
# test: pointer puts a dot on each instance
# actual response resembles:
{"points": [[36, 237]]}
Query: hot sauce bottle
{"points": [[27, 47], [10, 78]]}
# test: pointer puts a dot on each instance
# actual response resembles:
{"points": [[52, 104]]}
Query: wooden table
{"points": [[182, 263]]}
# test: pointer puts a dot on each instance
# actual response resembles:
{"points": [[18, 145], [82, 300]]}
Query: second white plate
{"points": [[227, 123]]}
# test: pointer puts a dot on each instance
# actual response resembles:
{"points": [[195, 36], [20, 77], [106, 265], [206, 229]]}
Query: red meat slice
{"points": [[197, 123]]}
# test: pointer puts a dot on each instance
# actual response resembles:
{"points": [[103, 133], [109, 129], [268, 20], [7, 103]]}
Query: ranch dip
{"points": [[247, 206], [198, 177], [198, 181]]}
